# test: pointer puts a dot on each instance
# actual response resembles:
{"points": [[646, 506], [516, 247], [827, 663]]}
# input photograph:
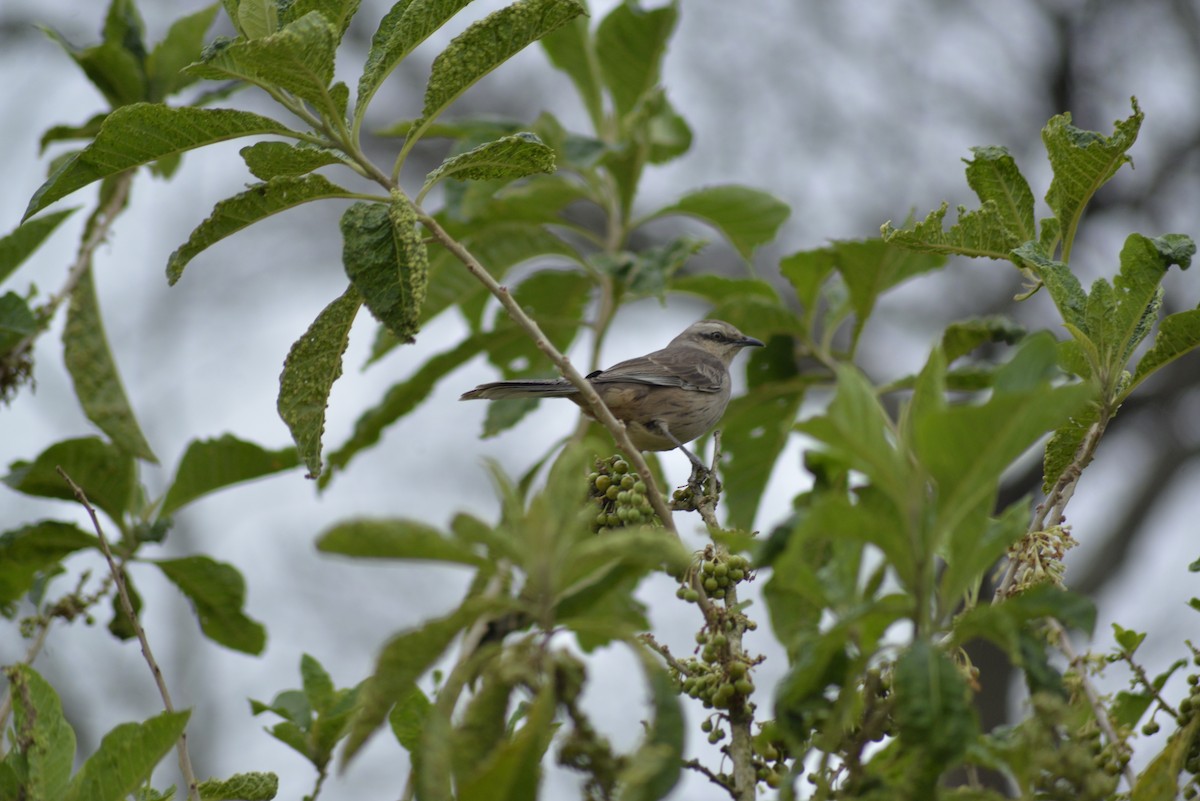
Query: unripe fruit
{"points": [[620, 467], [602, 483]]}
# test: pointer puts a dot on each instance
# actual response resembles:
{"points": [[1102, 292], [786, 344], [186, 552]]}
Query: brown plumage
{"points": [[665, 398]]}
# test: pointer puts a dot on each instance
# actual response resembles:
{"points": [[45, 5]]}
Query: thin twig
{"points": [[98, 226], [185, 762], [696, 765], [595, 404], [1093, 697]]}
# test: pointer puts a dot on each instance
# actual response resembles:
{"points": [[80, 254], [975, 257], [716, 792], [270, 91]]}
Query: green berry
{"points": [[720, 569], [710, 584], [1150, 728], [620, 467], [627, 481], [680, 592], [691, 596], [737, 575], [774, 780], [602, 483], [706, 725], [612, 492], [639, 487], [737, 669], [709, 567]]}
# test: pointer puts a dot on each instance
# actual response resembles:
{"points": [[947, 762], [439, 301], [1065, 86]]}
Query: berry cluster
{"points": [[718, 678], [619, 495], [718, 573]]}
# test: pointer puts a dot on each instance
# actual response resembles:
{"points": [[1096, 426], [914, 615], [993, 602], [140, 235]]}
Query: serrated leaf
{"points": [[385, 258], [403, 659], [181, 46], [42, 738], [994, 176], [630, 44], [298, 58], [217, 592], [114, 69], [505, 159], [106, 474], [208, 465], [257, 18], [267, 160], [240, 787], [27, 551], [242, 210], [395, 539], [981, 233], [485, 45], [1137, 293], [339, 13], [570, 49], [1082, 162], [144, 132], [1178, 334], [747, 217], [126, 757], [406, 25], [1064, 444], [94, 373], [20, 244], [313, 364]]}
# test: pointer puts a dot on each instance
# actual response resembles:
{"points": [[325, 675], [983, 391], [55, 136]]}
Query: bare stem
{"points": [[185, 762], [698, 766], [595, 404], [1053, 507]]}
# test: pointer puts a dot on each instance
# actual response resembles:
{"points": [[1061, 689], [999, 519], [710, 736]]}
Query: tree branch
{"points": [[185, 761]]}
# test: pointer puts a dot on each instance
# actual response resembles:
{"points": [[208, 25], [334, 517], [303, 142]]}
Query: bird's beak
{"points": [[751, 342]]}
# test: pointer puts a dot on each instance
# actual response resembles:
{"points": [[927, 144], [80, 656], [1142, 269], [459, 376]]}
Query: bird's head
{"points": [[716, 337]]}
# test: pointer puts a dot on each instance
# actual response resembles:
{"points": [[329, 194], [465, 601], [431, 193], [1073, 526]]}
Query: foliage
{"points": [[874, 584]]}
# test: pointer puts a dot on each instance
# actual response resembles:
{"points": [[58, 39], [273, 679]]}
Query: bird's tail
{"points": [[522, 388]]}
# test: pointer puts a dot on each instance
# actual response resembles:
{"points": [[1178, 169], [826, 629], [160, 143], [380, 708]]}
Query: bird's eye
{"points": [[717, 336]]}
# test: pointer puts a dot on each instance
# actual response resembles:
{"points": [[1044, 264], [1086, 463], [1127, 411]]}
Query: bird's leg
{"points": [[699, 471]]}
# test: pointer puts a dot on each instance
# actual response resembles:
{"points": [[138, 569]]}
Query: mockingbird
{"points": [[665, 398]]}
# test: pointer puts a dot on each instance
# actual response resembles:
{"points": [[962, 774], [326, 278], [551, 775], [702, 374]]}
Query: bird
{"points": [[665, 399]]}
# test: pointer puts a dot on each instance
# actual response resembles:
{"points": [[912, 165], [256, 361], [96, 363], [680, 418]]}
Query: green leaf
{"points": [[966, 448], [982, 233], [339, 13], [240, 787], [181, 46], [485, 45], [1065, 290], [268, 160], [964, 336], [870, 267], [406, 25], [933, 710], [505, 159], [30, 550], [1128, 639], [557, 301], [243, 210], [994, 176], [43, 740], [387, 263], [407, 718], [298, 58], [1178, 334], [16, 321], [1064, 444], [395, 539], [19, 245], [512, 772], [402, 661], [217, 592], [653, 769], [1006, 623], [257, 18], [756, 427], [1138, 294], [113, 67], [312, 365], [1160, 780], [1082, 162], [630, 44], [970, 556], [144, 132], [570, 49], [856, 429], [62, 133], [209, 465], [748, 218], [94, 373], [126, 757], [806, 271], [318, 686], [106, 474]]}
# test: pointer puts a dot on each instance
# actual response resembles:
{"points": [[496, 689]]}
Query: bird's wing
{"points": [[689, 368]]}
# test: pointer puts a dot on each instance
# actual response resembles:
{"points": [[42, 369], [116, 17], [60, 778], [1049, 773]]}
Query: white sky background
{"points": [[850, 132]]}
